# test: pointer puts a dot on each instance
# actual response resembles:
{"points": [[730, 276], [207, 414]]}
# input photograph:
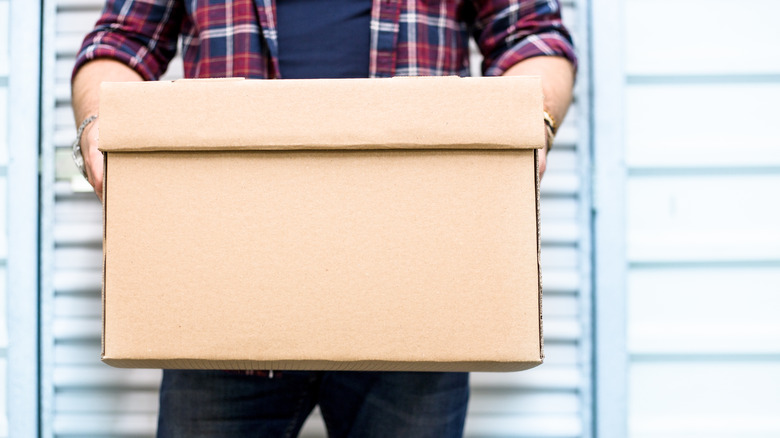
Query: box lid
{"points": [[444, 113]]}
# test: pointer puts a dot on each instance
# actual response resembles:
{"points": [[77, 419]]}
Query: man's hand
{"points": [[557, 75], [543, 155], [86, 91], [93, 158]]}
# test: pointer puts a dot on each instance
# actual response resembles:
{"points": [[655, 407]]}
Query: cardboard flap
{"points": [[440, 113]]}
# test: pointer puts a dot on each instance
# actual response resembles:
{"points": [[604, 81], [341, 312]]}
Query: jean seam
{"points": [[296, 415]]}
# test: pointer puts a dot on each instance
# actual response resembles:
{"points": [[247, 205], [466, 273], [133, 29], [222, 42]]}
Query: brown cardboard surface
{"points": [[223, 253], [421, 112]]}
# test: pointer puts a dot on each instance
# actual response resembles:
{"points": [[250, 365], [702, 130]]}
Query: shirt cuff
{"points": [[542, 44], [126, 55]]}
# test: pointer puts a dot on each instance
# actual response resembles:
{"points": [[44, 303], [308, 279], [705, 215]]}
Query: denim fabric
{"points": [[219, 404]]}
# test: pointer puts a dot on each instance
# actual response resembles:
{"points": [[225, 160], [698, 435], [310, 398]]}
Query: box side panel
{"points": [[397, 256]]}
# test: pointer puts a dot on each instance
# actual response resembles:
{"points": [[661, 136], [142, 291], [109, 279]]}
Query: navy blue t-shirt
{"points": [[323, 38]]}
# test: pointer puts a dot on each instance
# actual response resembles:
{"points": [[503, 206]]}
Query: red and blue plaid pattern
{"points": [[226, 38]]}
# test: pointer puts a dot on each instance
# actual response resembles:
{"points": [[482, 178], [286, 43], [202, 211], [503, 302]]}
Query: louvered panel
{"points": [[79, 4], [99, 376], [92, 425], [549, 377], [85, 401], [75, 21], [497, 402], [521, 426], [133, 426], [78, 280]]}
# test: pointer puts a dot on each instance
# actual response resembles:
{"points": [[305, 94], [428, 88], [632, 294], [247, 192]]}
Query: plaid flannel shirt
{"points": [[408, 37]]}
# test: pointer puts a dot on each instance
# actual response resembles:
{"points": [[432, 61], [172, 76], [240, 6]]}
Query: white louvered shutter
{"points": [[82, 397]]}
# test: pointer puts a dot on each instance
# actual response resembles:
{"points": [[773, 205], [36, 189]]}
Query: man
{"points": [[135, 39]]}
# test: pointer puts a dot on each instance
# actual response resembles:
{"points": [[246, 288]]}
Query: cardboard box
{"points": [[385, 224]]}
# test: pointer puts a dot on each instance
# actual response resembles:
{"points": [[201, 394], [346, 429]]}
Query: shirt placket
{"points": [[385, 15], [266, 13]]}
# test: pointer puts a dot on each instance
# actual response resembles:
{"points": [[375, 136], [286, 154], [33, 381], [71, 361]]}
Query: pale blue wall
{"points": [[4, 13], [19, 91], [688, 241]]}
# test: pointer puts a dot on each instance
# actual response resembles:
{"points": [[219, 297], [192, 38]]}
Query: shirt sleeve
{"points": [[141, 34], [509, 31]]}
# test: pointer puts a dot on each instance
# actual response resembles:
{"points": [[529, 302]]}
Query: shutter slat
{"points": [[494, 402], [93, 425], [72, 281], [522, 426], [547, 376], [98, 402], [105, 377]]}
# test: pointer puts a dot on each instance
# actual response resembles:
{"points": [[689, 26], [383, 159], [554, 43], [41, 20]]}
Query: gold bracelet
{"points": [[549, 120], [550, 137]]}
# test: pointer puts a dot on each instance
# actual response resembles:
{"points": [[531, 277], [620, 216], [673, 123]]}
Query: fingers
{"points": [[93, 159]]}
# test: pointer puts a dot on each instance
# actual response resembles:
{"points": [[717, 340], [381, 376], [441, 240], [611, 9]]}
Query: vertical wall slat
{"points": [[23, 74]]}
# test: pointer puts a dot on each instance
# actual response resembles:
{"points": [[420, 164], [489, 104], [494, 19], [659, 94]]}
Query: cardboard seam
{"points": [[323, 365], [105, 228], [539, 252], [357, 147]]}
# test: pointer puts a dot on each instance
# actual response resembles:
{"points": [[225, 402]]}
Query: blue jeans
{"points": [[217, 404]]}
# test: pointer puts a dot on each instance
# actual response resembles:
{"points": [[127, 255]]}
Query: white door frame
{"points": [[609, 187], [23, 218]]}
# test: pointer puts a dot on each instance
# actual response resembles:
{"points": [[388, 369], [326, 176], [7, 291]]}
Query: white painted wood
{"points": [[84, 401], [705, 399], [3, 218], [609, 49], [532, 402], [701, 37], [723, 217], [103, 376], [723, 310], [4, 34], [3, 327], [548, 376], [537, 426], [3, 124], [76, 21], [93, 425], [23, 193], [84, 280], [702, 125], [3, 395]]}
